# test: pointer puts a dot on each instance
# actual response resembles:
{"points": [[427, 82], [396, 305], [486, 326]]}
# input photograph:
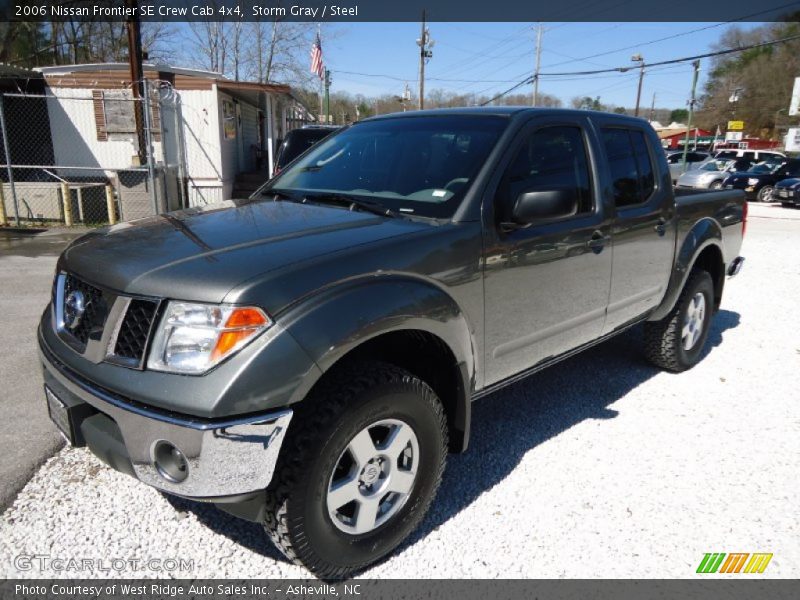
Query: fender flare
{"points": [[706, 232], [335, 321]]}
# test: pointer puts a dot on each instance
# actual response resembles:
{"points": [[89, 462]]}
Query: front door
{"points": [[644, 228], [546, 284]]}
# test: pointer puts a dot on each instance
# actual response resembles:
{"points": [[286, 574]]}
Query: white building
{"points": [[217, 127]]}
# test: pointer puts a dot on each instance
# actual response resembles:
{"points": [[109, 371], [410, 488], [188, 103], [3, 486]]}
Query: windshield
{"points": [[712, 165], [412, 165]]}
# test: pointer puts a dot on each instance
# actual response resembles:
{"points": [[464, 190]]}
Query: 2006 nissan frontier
{"points": [[307, 357]]}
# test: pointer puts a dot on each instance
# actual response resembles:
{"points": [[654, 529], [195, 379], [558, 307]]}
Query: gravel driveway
{"points": [[599, 467]]}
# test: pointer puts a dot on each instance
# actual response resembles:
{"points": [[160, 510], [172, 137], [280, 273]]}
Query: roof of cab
{"points": [[503, 111]]}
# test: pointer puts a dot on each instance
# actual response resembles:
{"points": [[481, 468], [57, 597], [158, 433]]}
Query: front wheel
{"points": [[716, 185], [765, 194], [676, 342], [362, 462]]}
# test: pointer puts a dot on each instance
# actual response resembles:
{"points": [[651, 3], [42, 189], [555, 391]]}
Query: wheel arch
{"points": [[410, 323], [702, 247]]}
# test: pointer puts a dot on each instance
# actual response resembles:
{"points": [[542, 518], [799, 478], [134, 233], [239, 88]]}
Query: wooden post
{"points": [[80, 204], [3, 218], [67, 201], [111, 205]]}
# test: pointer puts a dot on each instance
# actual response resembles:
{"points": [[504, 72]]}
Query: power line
{"points": [[655, 64], [673, 36]]}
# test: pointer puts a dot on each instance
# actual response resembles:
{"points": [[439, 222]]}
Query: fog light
{"points": [[170, 462]]}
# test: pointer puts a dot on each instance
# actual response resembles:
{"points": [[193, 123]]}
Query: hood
{"points": [[744, 176], [200, 254], [792, 182], [697, 174]]}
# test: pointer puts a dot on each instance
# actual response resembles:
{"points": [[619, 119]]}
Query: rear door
{"points": [[546, 284], [644, 228]]}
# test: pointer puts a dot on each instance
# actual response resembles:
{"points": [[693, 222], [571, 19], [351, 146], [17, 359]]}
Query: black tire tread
{"points": [[313, 415], [660, 337]]}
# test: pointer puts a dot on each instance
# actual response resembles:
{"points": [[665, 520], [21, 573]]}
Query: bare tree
{"points": [[210, 45], [279, 51]]}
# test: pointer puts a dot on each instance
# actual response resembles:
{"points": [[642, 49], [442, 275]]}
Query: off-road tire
{"points": [[323, 424], [662, 339]]}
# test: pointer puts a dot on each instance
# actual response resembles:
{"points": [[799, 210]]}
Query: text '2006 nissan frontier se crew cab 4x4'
{"points": [[306, 358]]}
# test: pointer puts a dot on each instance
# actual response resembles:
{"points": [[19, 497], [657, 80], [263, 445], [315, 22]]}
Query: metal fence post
{"points": [[6, 147], [182, 182], [151, 173]]}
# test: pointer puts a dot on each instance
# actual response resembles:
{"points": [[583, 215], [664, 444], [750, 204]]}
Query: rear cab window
{"points": [[630, 164]]}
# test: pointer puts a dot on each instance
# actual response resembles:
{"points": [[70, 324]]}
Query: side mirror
{"points": [[544, 205]]}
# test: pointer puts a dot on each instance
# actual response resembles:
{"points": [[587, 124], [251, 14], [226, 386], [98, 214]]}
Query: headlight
{"points": [[192, 338], [752, 181]]}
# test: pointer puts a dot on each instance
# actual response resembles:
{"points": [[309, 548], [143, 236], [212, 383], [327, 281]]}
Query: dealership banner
{"points": [[407, 10]]}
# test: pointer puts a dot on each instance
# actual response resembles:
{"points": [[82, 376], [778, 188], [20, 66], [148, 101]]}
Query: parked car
{"points": [[756, 156], [305, 359], [693, 160], [298, 141], [758, 183], [711, 173], [787, 192]]}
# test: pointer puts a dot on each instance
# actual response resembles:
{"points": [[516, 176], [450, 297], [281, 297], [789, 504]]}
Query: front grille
{"points": [[90, 324], [135, 329]]}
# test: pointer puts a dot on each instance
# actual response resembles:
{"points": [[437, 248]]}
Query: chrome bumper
{"points": [[223, 458]]}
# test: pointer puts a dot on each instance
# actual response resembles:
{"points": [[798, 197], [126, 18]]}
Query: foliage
{"points": [[679, 115], [763, 76]]}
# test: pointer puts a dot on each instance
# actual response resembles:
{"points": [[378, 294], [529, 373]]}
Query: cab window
{"points": [[552, 157], [630, 165]]}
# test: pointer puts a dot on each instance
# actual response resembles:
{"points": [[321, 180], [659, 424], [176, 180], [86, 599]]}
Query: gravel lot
{"points": [[599, 467]]}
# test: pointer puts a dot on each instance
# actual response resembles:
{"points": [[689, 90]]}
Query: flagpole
{"points": [[321, 81]]}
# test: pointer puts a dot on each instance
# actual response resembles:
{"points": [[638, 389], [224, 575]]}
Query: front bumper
{"points": [[222, 457], [786, 196]]}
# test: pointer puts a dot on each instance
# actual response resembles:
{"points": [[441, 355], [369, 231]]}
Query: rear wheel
{"points": [[676, 342], [361, 465]]}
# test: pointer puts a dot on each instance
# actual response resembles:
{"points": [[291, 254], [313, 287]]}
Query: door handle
{"points": [[661, 227], [597, 241]]}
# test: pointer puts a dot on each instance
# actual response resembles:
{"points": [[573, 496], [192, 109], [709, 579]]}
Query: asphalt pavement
{"points": [[27, 438], [601, 466]]}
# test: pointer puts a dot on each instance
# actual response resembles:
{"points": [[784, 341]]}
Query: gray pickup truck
{"points": [[307, 357]]}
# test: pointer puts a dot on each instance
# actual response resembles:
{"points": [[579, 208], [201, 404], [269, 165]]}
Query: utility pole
{"points": [[653, 108], [137, 77], [327, 96], [696, 65], [425, 44], [539, 32], [638, 58]]}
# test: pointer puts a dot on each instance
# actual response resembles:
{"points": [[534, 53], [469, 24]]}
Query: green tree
{"points": [[679, 115]]}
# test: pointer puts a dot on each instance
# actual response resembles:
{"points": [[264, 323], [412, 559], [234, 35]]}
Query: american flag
{"points": [[316, 58]]}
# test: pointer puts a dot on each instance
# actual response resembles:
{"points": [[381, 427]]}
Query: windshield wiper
{"points": [[353, 203], [281, 194]]}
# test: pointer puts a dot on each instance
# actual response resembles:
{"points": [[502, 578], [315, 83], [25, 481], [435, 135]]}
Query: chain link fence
{"points": [[90, 157]]}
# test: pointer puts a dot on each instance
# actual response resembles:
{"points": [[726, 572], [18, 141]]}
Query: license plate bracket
{"points": [[67, 415]]}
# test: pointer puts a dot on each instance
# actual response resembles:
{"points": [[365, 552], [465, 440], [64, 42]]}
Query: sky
{"points": [[488, 58]]}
